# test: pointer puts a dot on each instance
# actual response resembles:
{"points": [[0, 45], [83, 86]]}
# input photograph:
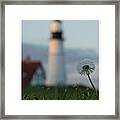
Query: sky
{"points": [[77, 33]]}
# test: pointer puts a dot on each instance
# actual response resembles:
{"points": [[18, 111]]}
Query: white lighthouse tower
{"points": [[56, 66]]}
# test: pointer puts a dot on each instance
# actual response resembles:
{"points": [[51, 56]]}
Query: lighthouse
{"points": [[56, 65]]}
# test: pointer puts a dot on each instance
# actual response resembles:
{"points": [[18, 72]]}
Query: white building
{"points": [[32, 73], [56, 66]]}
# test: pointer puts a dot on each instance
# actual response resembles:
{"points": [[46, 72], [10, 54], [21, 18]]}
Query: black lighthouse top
{"points": [[59, 21], [56, 30]]}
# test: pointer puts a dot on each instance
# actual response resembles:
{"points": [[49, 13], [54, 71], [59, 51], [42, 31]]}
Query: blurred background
{"points": [[81, 41]]}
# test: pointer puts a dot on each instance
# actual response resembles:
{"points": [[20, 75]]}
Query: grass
{"points": [[59, 93]]}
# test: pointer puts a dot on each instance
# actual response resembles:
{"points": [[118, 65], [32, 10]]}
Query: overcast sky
{"points": [[77, 33]]}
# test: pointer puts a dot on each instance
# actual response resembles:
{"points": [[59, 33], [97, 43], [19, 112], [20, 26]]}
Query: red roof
{"points": [[28, 70]]}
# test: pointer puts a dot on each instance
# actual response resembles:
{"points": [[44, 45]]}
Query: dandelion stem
{"points": [[92, 84], [91, 81]]}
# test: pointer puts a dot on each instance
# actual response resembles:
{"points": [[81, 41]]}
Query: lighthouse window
{"points": [[57, 35]]}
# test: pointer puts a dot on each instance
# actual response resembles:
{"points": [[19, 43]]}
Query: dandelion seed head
{"points": [[85, 65]]}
